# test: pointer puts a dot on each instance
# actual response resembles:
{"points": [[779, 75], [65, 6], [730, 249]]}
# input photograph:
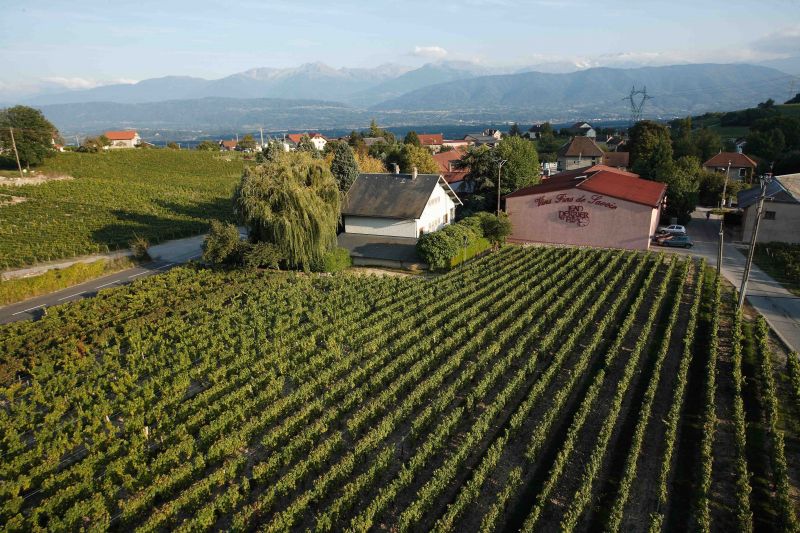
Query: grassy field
{"points": [[539, 389], [155, 194]]}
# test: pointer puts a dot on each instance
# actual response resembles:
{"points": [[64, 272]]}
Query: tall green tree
{"points": [[33, 134], [292, 203], [247, 143], [412, 138], [514, 131], [521, 168], [305, 145], [208, 146], [344, 166], [651, 151]]}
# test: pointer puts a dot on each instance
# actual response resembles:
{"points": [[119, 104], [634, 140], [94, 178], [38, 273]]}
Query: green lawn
{"points": [[155, 194]]}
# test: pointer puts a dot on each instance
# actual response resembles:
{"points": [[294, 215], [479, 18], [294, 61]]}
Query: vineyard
{"points": [[536, 389], [155, 194]]}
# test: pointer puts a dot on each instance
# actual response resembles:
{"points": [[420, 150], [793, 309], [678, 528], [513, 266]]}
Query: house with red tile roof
{"points": [[123, 138], [317, 139], [432, 141], [579, 152], [449, 170], [593, 206], [229, 146], [741, 167]]}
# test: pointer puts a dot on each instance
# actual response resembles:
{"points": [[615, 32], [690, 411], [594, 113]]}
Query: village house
{"points": [[123, 139], [479, 139], [317, 139], [431, 141], [618, 160], [579, 152], [535, 132], [454, 176], [385, 214], [781, 217], [583, 129], [228, 146], [456, 143], [595, 206], [742, 167]]}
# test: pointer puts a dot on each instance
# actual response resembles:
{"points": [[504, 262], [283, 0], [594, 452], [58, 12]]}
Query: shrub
{"points": [[335, 260], [222, 244], [139, 246], [260, 255], [463, 240]]}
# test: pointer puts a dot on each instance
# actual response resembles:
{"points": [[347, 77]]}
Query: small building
{"points": [[431, 141], [371, 141], [535, 132], [618, 160], [123, 139], [583, 129], [398, 205], [742, 167], [780, 220], [595, 206], [479, 139], [317, 139], [228, 146], [579, 152], [448, 168], [456, 143]]}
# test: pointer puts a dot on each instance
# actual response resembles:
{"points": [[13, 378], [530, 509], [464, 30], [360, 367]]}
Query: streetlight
{"points": [[499, 168], [765, 180]]}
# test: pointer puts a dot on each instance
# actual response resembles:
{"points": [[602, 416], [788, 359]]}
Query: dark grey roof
{"points": [[392, 195], [775, 192], [380, 247]]}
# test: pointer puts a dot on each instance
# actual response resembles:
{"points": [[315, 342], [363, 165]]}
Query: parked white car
{"points": [[675, 229]]}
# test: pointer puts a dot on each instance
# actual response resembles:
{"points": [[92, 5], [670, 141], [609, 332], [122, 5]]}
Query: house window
{"points": [[769, 215], [742, 172], [446, 218]]}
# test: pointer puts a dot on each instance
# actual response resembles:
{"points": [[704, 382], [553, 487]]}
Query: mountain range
{"points": [[315, 95]]}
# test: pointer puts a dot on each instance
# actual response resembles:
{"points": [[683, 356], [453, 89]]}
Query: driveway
{"points": [[779, 307]]}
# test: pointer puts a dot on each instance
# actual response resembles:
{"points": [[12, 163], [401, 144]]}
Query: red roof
{"points": [[446, 160], [610, 182], [580, 147], [585, 171], [616, 159], [295, 137], [431, 139], [229, 144], [737, 160], [126, 135]]}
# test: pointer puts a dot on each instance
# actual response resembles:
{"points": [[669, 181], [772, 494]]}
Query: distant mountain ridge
{"points": [[316, 95]]}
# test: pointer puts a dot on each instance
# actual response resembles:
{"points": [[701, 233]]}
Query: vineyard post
{"points": [[743, 290], [719, 247]]}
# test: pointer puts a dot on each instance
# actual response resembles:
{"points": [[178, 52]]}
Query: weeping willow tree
{"points": [[293, 203]]}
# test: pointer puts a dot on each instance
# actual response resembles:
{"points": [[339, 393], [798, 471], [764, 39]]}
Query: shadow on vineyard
{"points": [[534, 389]]}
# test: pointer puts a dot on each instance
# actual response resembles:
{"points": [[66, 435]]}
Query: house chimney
{"points": [[414, 173], [396, 168]]}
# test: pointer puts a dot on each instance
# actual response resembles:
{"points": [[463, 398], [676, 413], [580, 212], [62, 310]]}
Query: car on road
{"points": [[675, 241], [675, 229]]}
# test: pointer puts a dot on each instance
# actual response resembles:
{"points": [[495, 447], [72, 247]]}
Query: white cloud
{"points": [[433, 52], [782, 42], [83, 83]]}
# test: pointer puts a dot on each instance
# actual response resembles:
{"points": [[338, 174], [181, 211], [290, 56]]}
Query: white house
{"points": [[123, 139], [398, 205], [317, 139]]}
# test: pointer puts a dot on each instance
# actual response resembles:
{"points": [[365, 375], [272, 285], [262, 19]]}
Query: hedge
{"points": [[445, 248]]}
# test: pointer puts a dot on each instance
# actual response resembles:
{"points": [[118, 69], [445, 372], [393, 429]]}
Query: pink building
{"points": [[594, 206]]}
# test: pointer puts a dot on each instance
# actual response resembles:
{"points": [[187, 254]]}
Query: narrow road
{"points": [[165, 256], [779, 307], [35, 308]]}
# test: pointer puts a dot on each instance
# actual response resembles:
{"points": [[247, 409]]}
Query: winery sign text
{"points": [[563, 198]]}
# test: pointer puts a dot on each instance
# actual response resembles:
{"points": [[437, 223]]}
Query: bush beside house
{"points": [[456, 243]]}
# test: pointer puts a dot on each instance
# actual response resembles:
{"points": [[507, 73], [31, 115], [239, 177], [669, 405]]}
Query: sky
{"points": [[55, 44]]}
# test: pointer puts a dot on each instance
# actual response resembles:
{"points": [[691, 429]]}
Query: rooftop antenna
{"points": [[636, 99]]}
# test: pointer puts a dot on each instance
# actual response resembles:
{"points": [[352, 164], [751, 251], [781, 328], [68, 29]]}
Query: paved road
{"points": [[35, 308], [165, 256], [780, 308]]}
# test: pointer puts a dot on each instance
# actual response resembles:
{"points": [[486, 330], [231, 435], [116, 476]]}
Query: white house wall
{"points": [[390, 227], [438, 212]]}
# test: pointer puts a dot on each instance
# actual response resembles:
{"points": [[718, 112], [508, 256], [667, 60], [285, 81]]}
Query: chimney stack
{"points": [[414, 173], [396, 168]]}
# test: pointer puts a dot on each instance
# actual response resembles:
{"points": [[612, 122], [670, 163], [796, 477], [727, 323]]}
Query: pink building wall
{"points": [[578, 217]]}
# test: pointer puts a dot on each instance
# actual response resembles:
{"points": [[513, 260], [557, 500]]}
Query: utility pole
{"points": [[743, 289], [499, 169], [725, 186], [719, 248], [261, 130], [16, 154]]}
